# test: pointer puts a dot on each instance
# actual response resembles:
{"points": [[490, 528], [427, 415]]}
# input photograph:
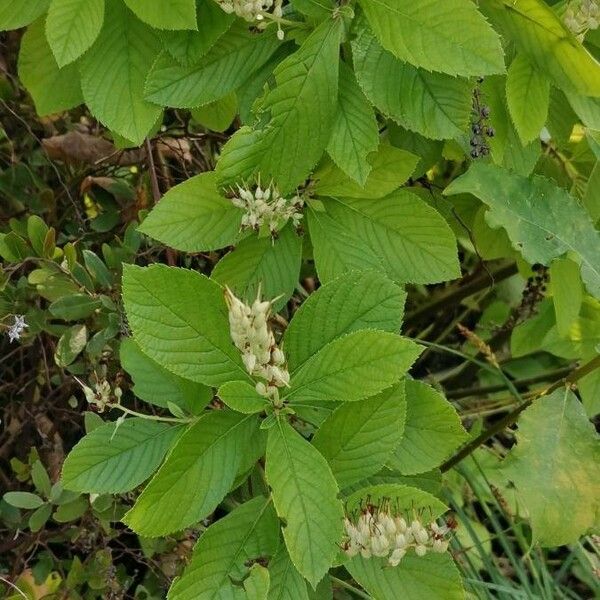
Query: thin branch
{"points": [[512, 416], [518, 383], [456, 294], [344, 584], [152, 168]]}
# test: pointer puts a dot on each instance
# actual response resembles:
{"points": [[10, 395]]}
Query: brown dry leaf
{"points": [[77, 147], [176, 148]]}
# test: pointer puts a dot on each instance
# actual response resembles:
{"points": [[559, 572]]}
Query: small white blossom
{"points": [[581, 16], [255, 10], [266, 207], [100, 396], [17, 328]]}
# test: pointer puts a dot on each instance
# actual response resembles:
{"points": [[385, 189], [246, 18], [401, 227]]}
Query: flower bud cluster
{"points": [[251, 334], [377, 532], [255, 10], [99, 397], [581, 16], [267, 207]]}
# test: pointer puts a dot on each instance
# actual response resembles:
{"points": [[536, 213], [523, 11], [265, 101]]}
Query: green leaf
{"points": [[232, 59], [355, 132], [40, 478], [435, 105], [301, 108], [197, 474], [429, 577], [70, 344], [286, 582], [351, 302], [321, 9], [180, 320], [154, 384], [37, 231], [271, 265], [116, 458], [587, 109], [539, 33], [39, 517], [52, 89], [74, 307], [25, 500], [188, 47], [305, 496], [175, 14], [528, 98], [554, 466], [97, 269], [217, 115], [432, 432], [567, 293], [540, 230], [589, 388], [72, 26], [256, 585], [243, 397], [336, 251], [220, 557], [71, 511], [113, 71], [451, 37], [390, 168], [239, 157], [357, 439], [412, 240], [18, 13], [194, 217], [353, 367]]}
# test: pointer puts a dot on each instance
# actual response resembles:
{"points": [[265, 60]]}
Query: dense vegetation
{"points": [[299, 300]]}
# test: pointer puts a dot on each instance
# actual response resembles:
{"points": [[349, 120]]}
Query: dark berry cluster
{"points": [[533, 294], [536, 287], [480, 128]]}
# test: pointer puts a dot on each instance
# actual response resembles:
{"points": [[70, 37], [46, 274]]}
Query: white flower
{"points": [[396, 556], [266, 207], [581, 16], [100, 395], [253, 10], [17, 328], [421, 536], [380, 545]]}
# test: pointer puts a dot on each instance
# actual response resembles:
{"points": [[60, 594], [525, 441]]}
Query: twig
{"points": [[455, 295], [349, 587], [518, 383], [512, 416], [134, 413], [152, 168]]}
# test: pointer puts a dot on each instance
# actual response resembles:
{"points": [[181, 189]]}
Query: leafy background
{"points": [[109, 106]]}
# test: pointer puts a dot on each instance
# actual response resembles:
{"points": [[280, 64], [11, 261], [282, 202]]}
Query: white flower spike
{"points": [[250, 332], [379, 533]]}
